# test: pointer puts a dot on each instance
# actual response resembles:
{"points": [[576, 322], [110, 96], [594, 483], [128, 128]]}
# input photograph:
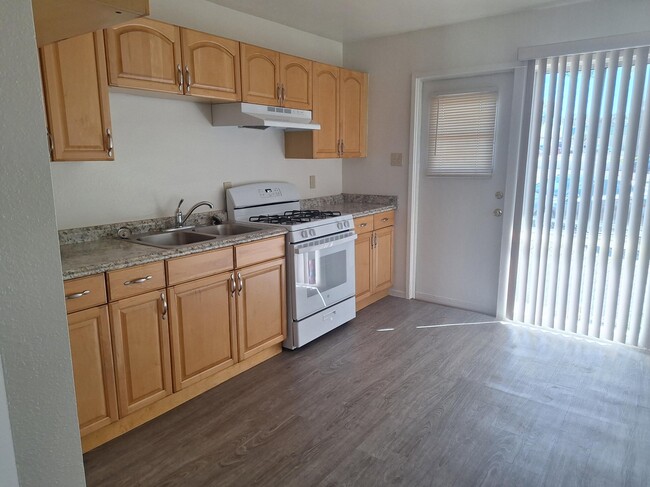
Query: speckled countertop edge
{"points": [[87, 258], [92, 250]]}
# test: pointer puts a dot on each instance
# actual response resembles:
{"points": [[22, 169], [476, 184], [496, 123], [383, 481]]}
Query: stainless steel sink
{"points": [[172, 240], [227, 229]]}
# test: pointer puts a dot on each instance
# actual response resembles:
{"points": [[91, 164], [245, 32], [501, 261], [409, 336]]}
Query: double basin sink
{"points": [[175, 238]]}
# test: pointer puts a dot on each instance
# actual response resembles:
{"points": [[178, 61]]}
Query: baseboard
{"points": [[454, 303], [397, 294]]}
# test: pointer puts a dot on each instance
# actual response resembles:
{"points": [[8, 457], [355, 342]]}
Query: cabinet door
{"points": [[261, 307], [383, 260], [326, 110], [145, 54], [295, 76], [141, 346], [92, 364], [354, 112], [260, 75], [203, 328], [76, 98], [362, 264], [211, 66]]}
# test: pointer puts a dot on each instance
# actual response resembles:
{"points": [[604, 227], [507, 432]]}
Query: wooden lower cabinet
{"points": [[373, 258], [141, 350], [203, 332], [261, 307], [92, 364]]}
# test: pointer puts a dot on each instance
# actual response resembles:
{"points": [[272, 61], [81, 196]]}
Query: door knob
{"points": [[498, 212], [498, 195]]}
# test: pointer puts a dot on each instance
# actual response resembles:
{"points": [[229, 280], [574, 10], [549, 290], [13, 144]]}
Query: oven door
{"points": [[322, 274]]}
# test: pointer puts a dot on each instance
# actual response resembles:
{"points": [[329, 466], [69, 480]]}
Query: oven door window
{"points": [[322, 278]]}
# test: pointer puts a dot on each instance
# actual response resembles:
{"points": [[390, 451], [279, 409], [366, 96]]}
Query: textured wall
{"points": [[457, 47], [167, 149], [34, 341]]}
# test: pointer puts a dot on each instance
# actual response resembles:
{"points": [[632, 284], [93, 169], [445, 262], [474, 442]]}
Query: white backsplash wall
{"points": [[167, 149]]}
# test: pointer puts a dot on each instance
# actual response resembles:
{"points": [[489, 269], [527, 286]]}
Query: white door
{"points": [[459, 218]]}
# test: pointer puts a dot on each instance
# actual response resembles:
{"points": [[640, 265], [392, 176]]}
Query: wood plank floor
{"points": [[471, 405]]}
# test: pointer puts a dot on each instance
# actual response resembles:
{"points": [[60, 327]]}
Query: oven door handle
{"points": [[326, 245]]}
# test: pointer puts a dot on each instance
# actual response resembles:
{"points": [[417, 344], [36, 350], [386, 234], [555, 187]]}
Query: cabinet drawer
{"points": [[363, 224], [385, 219], [135, 280], [263, 250], [84, 292], [200, 265]]}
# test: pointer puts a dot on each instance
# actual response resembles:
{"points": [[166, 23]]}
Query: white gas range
{"points": [[320, 257]]}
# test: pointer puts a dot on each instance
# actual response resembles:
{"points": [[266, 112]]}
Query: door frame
{"points": [[516, 144]]}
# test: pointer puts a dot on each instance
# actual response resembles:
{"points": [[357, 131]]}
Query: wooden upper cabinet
{"points": [[260, 75], [340, 106], [211, 66], [296, 81], [353, 113], [326, 110], [145, 54], [76, 98]]}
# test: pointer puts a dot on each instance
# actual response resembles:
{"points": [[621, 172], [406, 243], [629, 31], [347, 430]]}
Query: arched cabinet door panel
{"points": [[145, 54], [353, 106], [211, 66], [260, 75], [295, 76]]}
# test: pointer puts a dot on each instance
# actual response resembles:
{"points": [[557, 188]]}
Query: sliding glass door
{"points": [[584, 241]]}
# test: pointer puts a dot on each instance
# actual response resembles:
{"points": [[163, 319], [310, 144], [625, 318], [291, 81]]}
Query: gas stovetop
{"points": [[272, 203], [294, 217]]}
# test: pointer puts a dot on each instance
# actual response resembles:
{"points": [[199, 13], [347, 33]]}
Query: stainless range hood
{"points": [[261, 117]]}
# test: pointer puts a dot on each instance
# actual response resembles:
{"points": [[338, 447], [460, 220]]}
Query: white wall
{"points": [[391, 61], [8, 471], [34, 342], [166, 149]]}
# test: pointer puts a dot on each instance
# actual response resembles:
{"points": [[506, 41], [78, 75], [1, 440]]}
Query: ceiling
{"points": [[351, 20]]}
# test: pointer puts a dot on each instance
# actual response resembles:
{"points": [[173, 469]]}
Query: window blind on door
{"points": [[461, 134], [584, 244]]}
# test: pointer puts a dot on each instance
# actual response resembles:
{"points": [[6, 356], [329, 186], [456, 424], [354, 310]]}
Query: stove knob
{"points": [[303, 234], [312, 232], [346, 224], [339, 225]]}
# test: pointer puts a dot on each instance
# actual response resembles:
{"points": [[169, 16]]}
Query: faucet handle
{"points": [[179, 204]]}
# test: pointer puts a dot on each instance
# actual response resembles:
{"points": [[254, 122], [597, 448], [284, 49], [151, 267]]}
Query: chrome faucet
{"points": [[179, 219]]}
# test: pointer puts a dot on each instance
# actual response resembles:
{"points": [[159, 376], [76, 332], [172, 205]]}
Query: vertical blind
{"points": [[461, 134], [584, 245]]}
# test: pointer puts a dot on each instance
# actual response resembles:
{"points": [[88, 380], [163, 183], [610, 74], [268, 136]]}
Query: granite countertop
{"points": [[92, 250], [106, 254]]}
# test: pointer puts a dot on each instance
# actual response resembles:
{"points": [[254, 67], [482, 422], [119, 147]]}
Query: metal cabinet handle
{"points": [[363, 225], [180, 77], [188, 78], [284, 98], [384, 219], [278, 92], [77, 295], [241, 284], [139, 280], [342, 147], [109, 137], [163, 298], [374, 238], [50, 141], [232, 284]]}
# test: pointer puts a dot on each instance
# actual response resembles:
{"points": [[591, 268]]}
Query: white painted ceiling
{"points": [[351, 20]]}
